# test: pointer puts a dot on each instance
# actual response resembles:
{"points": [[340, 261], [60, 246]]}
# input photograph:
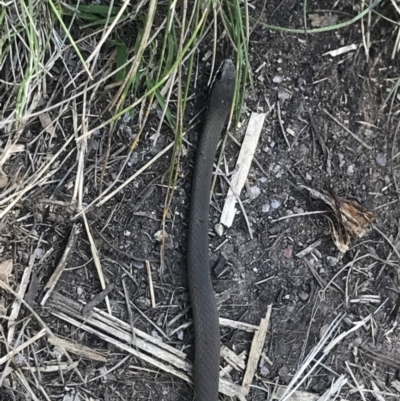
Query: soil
{"points": [[248, 274]]}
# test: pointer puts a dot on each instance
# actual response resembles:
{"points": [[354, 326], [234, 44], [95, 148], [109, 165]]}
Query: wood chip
{"points": [[310, 248], [243, 164], [255, 352], [6, 269], [232, 358]]}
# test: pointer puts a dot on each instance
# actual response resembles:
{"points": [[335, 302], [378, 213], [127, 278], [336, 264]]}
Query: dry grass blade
{"points": [[119, 333]]}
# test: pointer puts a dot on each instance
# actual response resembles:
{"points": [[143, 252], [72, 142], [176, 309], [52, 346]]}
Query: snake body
{"points": [[205, 313]]}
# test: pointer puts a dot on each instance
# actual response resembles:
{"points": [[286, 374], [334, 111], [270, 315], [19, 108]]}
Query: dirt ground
{"points": [[306, 293]]}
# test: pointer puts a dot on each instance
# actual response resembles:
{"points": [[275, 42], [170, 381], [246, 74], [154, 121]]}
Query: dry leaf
{"points": [[6, 269], [352, 219], [47, 123]]}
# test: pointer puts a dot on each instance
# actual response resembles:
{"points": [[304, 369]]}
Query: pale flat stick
{"points": [[296, 396], [242, 168], [255, 352], [77, 349], [61, 265], [237, 325]]}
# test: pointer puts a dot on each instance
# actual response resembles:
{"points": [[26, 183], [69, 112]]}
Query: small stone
{"points": [[303, 296], [266, 207], [277, 79], [179, 334], [332, 261], [219, 229], [276, 168], [254, 192], [142, 303], [308, 177], [79, 291], [127, 233], [263, 180], [341, 159], [288, 252], [275, 204], [283, 96], [301, 82], [160, 234], [381, 159], [264, 371], [351, 169]]}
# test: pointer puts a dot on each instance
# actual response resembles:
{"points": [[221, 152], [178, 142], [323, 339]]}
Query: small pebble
{"points": [[160, 234], [381, 159], [332, 261], [341, 159], [127, 233], [276, 168], [219, 229], [275, 204], [303, 296], [254, 192], [79, 291], [301, 82], [351, 169], [266, 207], [277, 79], [283, 96], [308, 177]]}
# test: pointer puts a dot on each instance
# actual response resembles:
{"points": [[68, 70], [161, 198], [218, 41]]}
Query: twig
{"points": [[153, 300], [278, 112], [347, 130], [61, 265]]}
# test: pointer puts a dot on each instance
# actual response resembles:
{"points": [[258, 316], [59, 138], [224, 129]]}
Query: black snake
{"points": [[205, 313]]}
